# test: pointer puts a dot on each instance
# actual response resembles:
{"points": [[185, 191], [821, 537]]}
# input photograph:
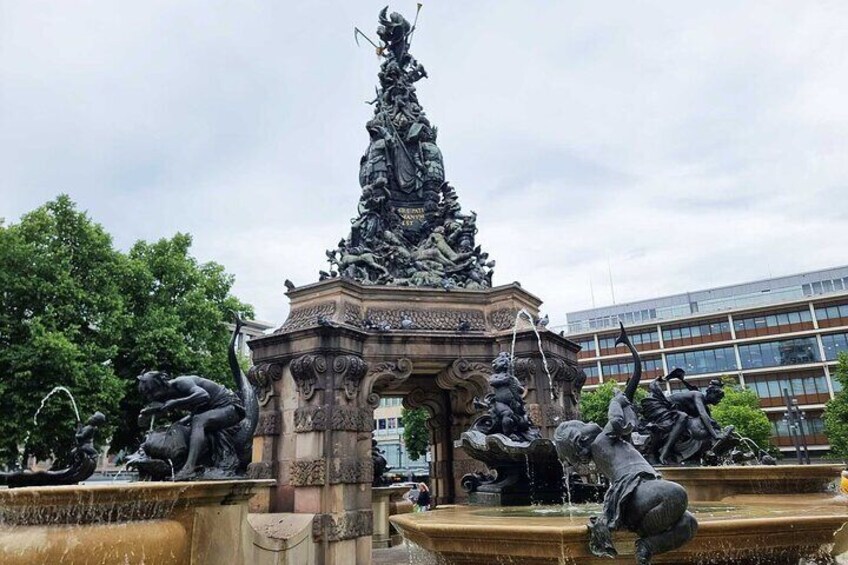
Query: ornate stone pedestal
{"points": [[344, 345]]}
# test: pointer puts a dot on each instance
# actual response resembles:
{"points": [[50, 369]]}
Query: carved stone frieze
{"points": [[308, 372], [308, 472], [307, 316], [503, 319], [263, 377], [310, 419], [269, 424], [340, 418], [352, 314], [343, 525], [429, 318]]}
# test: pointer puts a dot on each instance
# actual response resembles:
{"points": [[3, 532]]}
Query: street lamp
{"points": [[794, 418]]}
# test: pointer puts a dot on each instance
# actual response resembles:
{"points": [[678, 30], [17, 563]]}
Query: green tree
{"points": [[594, 404], [179, 311], [836, 412], [740, 408], [60, 308], [416, 437]]}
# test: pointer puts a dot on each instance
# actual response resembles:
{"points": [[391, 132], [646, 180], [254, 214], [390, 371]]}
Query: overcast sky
{"points": [[684, 144]]}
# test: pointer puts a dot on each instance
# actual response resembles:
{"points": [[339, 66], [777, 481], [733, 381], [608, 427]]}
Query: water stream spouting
{"points": [[566, 482], [532, 321], [37, 412], [171, 463]]}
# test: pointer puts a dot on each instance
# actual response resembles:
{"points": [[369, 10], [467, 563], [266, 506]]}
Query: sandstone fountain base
{"points": [[162, 523], [774, 530]]}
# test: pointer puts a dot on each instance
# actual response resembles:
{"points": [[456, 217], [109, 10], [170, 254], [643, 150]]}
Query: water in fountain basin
{"points": [[37, 412], [532, 321]]}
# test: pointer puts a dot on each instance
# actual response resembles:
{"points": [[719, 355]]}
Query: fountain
{"points": [[693, 514], [48, 518]]}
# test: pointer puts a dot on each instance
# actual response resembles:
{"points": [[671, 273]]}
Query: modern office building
{"points": [[388, 431], [774, 334]]}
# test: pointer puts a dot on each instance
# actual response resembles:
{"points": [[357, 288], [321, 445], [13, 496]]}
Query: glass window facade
{"points": [[643, 338], [779, 353], [591, 370], [614, 368], [587, 345], [772, 386], [832, 312], [772, 320], [705, 329], [834, 344], [702, 361]]}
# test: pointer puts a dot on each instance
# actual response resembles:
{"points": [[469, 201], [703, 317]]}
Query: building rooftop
{"points": [[756, 293]]}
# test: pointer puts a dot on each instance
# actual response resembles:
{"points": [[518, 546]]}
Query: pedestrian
{"points": [[412, 494], [422, 504]]}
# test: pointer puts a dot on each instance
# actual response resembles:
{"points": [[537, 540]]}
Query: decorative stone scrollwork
{"points": [[308, 374], [340, 418], [524, 369], [310, 419], [270, 424], [466, 379], [263, 377], [349, 371], [308, 472], [352, 314], [568, 381], [307, 316], [503, 319], [429, 319], [342, 526], [385, 376]]}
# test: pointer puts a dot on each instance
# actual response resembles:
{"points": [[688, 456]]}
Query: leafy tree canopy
{"points": [[416, 437], [740, 408], [836, 412], [61, 307], [594, 404], [76, 312]]}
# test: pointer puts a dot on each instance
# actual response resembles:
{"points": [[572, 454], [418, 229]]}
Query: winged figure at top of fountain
{"points": [[410, 229]]}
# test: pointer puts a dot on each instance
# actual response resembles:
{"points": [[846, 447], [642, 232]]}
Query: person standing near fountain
{"points": [[638, 499], [422, 503]]}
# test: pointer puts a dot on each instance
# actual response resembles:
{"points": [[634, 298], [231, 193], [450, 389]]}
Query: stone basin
{"points": [[162, 523], [771, 530], [718, 483]]}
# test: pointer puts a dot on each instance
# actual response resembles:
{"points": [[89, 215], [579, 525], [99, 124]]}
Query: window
{"points": [[587, 345], [834, 344], [772, 320], [706, 329], [614, 368], [779, 353], [832, 312], [704, 360], [590, 370], [381, 424], [768, 386]]}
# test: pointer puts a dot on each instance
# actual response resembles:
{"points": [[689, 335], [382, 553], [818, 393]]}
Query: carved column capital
{"points": [[308, 372], [262, 377], [348, 371]]}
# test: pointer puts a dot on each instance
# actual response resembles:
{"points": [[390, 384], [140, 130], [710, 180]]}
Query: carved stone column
{"points": [[464, 380], [550, 399], [331, 469]]}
